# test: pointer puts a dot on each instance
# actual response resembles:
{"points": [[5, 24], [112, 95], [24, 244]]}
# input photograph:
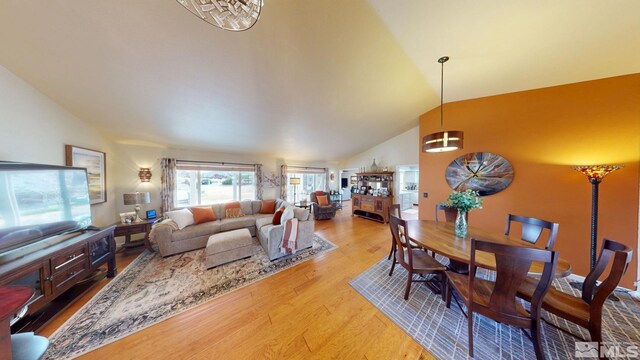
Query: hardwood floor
{"points": [[308, 311]]}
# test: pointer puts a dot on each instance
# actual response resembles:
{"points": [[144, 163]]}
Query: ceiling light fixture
{"points": [[232, 15], [444, 140]]}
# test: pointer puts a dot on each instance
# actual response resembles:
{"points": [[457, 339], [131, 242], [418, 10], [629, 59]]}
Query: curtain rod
{"points": [[213, 162], [305, 167]]}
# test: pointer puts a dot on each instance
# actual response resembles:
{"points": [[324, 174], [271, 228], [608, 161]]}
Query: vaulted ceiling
{"points": [[312, 80]]}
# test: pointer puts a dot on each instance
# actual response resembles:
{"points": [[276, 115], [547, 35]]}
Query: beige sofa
{"points": [[193, 237]]}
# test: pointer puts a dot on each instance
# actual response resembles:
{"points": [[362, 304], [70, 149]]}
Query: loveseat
{"points": [[172, 241]]}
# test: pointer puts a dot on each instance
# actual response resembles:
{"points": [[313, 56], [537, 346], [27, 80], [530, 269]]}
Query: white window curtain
{"points": [[283, 182], [168, 184]]}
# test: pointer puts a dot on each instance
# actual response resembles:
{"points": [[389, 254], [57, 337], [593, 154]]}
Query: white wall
{"points": [[35, 129]]}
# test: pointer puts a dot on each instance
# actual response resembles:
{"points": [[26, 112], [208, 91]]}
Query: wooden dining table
{"points": [[441, 238]]}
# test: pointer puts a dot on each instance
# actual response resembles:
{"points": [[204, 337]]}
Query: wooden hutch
{"points": [[374, 196]]}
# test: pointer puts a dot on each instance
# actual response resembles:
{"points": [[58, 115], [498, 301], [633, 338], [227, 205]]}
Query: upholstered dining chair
{"points": [[415, 261], [586, 311], [532, 229], [497, 300], [322, 211], [450, 213]]}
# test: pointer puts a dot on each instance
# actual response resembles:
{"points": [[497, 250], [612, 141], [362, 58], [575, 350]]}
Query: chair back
{"points": [[313, 196], [450, 214], [399, 232], [595, 295], [512, 267], [532, 229], [394, 210]]}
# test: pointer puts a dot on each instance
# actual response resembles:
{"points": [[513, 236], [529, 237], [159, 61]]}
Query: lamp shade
{"points": [[595, 173], [443, 141], [137, 198], [294, 181]]}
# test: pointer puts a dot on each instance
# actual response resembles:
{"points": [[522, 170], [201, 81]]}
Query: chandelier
{"points": [[232, 15]]}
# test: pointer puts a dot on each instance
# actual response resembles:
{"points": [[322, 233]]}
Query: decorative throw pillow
{"points": [[182, 217], [287, 214], [268, 207], [322, 200], [277, 216], [232, 210], [203, 214]]}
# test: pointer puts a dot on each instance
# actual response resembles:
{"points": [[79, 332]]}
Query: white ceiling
{"points": [[312, 80]]}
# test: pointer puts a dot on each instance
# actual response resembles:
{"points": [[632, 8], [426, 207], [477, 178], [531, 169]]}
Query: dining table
{"points": [[440, 238]]}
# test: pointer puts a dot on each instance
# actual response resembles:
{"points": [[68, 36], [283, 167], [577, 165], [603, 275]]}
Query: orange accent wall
{"points": [[542, 132]]}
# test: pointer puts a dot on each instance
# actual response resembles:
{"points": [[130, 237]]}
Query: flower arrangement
{"points": [[464, 201]]}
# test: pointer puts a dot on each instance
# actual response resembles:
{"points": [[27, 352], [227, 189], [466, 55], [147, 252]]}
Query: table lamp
{"points": [[295, 182], [595, 174], [137, 199]]}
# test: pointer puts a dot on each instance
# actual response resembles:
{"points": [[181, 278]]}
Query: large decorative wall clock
{"points": [[484, 172]]}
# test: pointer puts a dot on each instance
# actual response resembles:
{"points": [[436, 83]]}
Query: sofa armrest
{"points": [[161, 234]]}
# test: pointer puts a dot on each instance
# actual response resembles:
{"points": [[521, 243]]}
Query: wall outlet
{"points": [[425, 195]]}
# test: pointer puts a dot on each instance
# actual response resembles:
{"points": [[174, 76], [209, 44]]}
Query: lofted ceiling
{"points": [[312, 80]]}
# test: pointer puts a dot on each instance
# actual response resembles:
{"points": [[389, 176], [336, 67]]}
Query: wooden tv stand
{"points": [[52, 271]]}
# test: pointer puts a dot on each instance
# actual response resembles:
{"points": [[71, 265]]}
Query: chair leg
{"points": [[470, 331], [392, 251], [443, 286], [447, 299], [595, 330], [535, 339], [409, 280], [393, 264]]}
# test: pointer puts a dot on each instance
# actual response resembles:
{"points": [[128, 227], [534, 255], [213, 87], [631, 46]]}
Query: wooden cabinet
{"points": [[375, 196], [53, 270]]}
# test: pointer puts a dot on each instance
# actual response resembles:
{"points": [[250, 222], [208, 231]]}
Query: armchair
{"points": [[322, 212]]}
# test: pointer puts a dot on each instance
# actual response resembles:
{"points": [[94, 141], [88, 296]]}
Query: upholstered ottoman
{"points": [[229, 246]]}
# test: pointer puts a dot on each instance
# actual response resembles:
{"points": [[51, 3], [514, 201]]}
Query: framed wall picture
{"points": [[96, 164]]}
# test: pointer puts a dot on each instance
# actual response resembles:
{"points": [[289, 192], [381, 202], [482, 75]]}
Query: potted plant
{"points": [[463, 201]]}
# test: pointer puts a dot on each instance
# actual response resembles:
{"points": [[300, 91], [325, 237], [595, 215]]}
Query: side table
{"points": [[127, 230]]}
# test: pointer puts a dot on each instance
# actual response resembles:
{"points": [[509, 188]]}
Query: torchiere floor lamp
{"points": [[595, 174]]}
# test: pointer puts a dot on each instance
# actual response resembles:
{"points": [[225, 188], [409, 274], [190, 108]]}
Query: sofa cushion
{"points": [[237, 223], [182, 217], [203, 214], [247, 207], [263, 220], [255, 206], [208, 228], [268, 207]]}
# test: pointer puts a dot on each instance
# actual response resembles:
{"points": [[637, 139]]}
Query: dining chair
{"points": [[394, 210], [497, 300], [532, 229], [414, 260], [450, 213], [586, 311]]}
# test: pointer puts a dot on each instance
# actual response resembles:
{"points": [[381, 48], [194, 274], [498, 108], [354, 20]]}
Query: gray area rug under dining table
{"points": [[443, 332]]}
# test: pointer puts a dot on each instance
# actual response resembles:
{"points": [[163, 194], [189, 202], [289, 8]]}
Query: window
{"points": [[311, 179], [208, 183]]}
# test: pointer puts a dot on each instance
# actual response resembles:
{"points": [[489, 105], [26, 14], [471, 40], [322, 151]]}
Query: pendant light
{"points": [[444, 140]]}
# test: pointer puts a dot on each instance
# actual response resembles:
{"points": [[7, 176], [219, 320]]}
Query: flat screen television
{"points": [[41, 205]]}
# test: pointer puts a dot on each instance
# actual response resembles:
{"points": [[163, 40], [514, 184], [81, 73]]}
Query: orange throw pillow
{"points": [[232, 210], [322, 200], [203, 215], [268, 207], [277, 216]]}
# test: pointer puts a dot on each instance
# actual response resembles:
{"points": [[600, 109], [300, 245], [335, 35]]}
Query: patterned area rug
{"points": [[152, 289], [443, 332]]}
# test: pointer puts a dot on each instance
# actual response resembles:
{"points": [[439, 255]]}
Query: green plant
{"points": [[466, 200]]}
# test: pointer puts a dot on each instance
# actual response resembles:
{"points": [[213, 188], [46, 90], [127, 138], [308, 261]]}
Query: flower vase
{"points": [[461, 224]]}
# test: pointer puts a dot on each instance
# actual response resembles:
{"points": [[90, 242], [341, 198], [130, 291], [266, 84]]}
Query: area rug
{"points": [[152, 289], [443, 332]]}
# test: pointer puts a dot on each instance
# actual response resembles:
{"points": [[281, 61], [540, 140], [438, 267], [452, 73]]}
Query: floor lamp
{"points": [[595, 174], [295, 182]]}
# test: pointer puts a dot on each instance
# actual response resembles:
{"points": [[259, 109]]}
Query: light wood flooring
{"points": [[308, 311]]}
